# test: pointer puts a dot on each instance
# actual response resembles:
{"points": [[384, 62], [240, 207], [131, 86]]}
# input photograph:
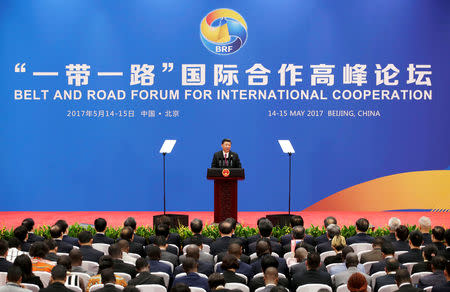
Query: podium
{"points": [[225, 191]]}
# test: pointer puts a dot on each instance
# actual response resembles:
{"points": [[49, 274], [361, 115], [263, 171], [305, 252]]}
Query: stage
{"points": [[377, 219]]}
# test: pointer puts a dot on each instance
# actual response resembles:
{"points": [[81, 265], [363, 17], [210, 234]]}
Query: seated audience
{"points": [[145, 277], [21, 233], [299, 236], [105, 262], [437, 278], [362, 225], [437, 237], [76, 260], [65, 230], [194, 252], [324, 238], [196, 228], [28, 223], [14, 250], [38, 252], [119, 266], [4, 264], [24, 263], [230, 265], [342, 267], [57, 235], [267, 262], [357, 283], [13, 281], [89, 253], [154, 257], [127, 234], [445, 287], [375, 253], [108, 281], [166, 253], [332, 231], [402, 243], [428, 252], [414, 254], [393, 224], [312, 275], [295, 221], [263, 249], [216, 283], [235, 249], [300, 261], [221, 243], [125, 248], [57, 280], [337, 244], [100, 228], [71, 279], [192, 278], [270, 279], [171, 237], [265, 228], [52, 250], [204, 257], [425, 228], [131, 222], [351, 262], [392, 266], [403, 281]]}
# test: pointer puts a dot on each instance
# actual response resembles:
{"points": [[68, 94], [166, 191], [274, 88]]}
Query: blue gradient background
{"points": [[49, 162]]}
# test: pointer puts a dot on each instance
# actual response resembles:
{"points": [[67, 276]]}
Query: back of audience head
{"points": [[232, 221], [313, 261], [180, 287], [338, 242], [115, 251], [127, 233], [160, 241], [14, 242], [438, 263], [329, 220], [196, 226], [100, 224], [281, 289], [265, 227], [142, 265], [130, 222], [362, 224], [447, 237], [39, 249], [28, 223], [76, 257], [51, 244], [56, 232], [63, 225], [392, 265], [235, 249], [296, 220], [153, 252], [333, 230], [3, 247], [416, 238], [393, 223], [271, 276], [105, 262], [402, 233], [402, 276], [429, 251], [387, 248], [345, 251], [124, 245], [424, 224], [59, 273], [269, 261], [351, 260], [21, 233], [300, 254], [108, 276], [65, 261], [263, 247], [162, 230], [24, 263], [437, 233], [14, 274], [85, 238], [193, 251], [298, 232], [225, 228], [230, 262], [215, 280], [164, 220], [130, 288], [357, 283], [190, 265], [377, 242]]}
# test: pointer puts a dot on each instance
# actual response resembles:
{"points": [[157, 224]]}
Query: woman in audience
{"points": [[230, 264], [72, 279], [105, 262], [337, 244], [38, 252], [357, 283], [24, 263]]}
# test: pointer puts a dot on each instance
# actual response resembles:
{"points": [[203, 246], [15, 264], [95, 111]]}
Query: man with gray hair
{"points": [[393, 223], [332, 231], [351, 262], [425, 227]]}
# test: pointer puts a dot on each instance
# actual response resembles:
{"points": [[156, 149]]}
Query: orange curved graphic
{"points": [[426, 190]]}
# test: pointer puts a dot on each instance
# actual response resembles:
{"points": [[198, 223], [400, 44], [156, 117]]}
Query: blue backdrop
{"points": [[49, 161]]}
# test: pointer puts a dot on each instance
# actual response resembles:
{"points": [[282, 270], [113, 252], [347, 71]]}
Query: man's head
{"points": [[196, 226], [215, 280], [424, 224], [447, 237], [338, 243], [85, 238], [153, 252], [124, 245], [263, 247], [415, 239], [142, 265], [402, 233], [161, 242], [51, 244], [3, 247], [392, 265], [437, 234], [56, 232], [429, 251], [438, 263], [329, 220], [232, 221], [15, 242], [180, 287], [230, 262], [313, 261], [76, 257], [296, 220], [393, 223], [127, 233], [300, 254], [28, 223], [332, 231], [108, 276], [271, 276], [387, 249], [59, 274], [225, 228], [190, 265], [105, 262], [362, 224], [235, 249], [14, 274], [162, 230], [402, 276], [298, 232], [65, 261], [63, 224], [21, 233], [115, 251], [269, 261], [265, 227], [39, 249], [130, 222], [377, 242], [100, 224], [226, 145], [351, 260], [193, 251], [345, 251]]}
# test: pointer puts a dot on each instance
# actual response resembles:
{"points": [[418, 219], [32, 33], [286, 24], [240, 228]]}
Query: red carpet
{"points": [[11, 219]]}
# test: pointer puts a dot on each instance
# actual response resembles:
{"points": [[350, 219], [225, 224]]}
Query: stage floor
{"points": [[116, 218]]}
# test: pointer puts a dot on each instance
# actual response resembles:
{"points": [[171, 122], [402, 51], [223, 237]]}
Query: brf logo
{"points": [[223, 31]]}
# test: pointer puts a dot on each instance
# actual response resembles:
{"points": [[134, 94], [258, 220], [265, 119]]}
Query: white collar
{"points": [[228, 154], [403, 284]]}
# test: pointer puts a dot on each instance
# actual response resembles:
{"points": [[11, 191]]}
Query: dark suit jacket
{"points": [[286, 239], [414, 255], [233, 160], [101, 238], [244, 268], [220, 245], [323, 247], [378, 267], [298, 268], [121, 267], [282, 267], [56, 287], [437, 278], [203, 268], [276, 247], [193, 280], [26, 246], [383, 281], [90, 254], [408, 288], [311, 277], [157, 266], [33, 280], [244, 258], [139, 239], [371, 256], [170, 257], [4, 265], [442, 288], [421, 267], [390, 237], [206, 240], [231, 277], [321, 239], [71, 240], [426, 238], [400, 245], [333, 259], [33, 238], [137, 248], [146, 278], [63, 246], [51, 256], [440, 246], [256, 237], [109, 288], [255, 283], [360, 238], [308, 247]]}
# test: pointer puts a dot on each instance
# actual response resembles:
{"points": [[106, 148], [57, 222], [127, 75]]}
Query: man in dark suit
{"points": [[393, 223], [167, 252], [294, 221], [387, 250], [327, 221], [57, 235], [100, 227], [332, 231], [256, 237], [403, 281], [446, 286], [29, 225], [392, 266], [196, 228], [226, 158], [402, 243], [163, 229], [428, 252], [154, 257], [414, 254], [135, 247], [362, 225], [145, 278], [229, 267], [192, 278], [52, 250], [221, 243], [58, 280], [88, 252], [298, 234], [446, 253], [438, 264], [65, 230], [119, 266], [437, 237], [131, 222], [425, 228], [235, 249], [312, 274], [162, 232], [375, 254], [108, 280], [267, 262], [4, 264], [204, 257], [21, 233], [263, 249], [202, 267], [265, 228]]}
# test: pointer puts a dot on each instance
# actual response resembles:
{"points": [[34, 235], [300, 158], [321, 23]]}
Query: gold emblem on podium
{"points": [[225, 172]]}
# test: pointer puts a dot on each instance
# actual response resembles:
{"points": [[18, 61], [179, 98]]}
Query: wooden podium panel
{"points": [[225, 191]]}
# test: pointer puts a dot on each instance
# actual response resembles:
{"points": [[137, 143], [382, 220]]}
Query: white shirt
{"points": [[12, 254], [226, 155]]}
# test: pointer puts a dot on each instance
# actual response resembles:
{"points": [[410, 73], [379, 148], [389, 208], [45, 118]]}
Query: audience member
{"points": [[105, 262], [428, 252], [71, 279], [192, 278], [196, 228], [414, 254], [29, 225], [57, 280], [403, 281], [324, 237], [337, 244], [65, 230], [438, 264], [14, 250], [332, 231], [392, 266], [38, 252], [57, 235], [393, 224], [145, 277], [425, 228], [351, 262], [357, 283], [402, 243], [4, 264], [362, 225], [119, 265], [100, 228], [24, 263], [312, 274], [89, 253], [13, 281]]}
